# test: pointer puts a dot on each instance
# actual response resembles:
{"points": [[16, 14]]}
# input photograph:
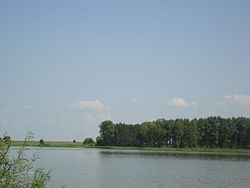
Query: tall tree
{"points": [[211, 132], [107, 132]]}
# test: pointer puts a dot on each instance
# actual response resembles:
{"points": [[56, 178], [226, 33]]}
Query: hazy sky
{"points": [[67, 65]]}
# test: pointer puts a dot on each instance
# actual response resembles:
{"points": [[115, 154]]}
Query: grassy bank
{"points": [[66, 144], [224, 150]]}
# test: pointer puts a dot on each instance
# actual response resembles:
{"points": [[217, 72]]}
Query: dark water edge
{"points": [[156, 153], [181, 155]]}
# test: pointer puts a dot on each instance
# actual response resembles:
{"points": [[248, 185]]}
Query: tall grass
{"points": [[19, 172]]}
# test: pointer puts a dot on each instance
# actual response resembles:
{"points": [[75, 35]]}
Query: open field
{"points": [[67, 144], [51, 144]]}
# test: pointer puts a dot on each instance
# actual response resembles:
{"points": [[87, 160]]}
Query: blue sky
{"points": [[65, 66]]}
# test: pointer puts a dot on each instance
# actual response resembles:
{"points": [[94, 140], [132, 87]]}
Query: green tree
{"points": [[142, 134], [99, 141], [209, 132], [177, 132], [89, 141], [107, 132]]}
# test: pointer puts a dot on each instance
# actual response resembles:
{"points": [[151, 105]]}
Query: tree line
{"points": [[210, 132]]}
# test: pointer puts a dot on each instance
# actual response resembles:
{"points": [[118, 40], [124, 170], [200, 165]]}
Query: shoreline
{"points": [[65, 144]]}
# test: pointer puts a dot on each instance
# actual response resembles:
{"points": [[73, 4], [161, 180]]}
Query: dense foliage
{"points": [[89, 141], [19, 172], [41, 142], [211, 132]]}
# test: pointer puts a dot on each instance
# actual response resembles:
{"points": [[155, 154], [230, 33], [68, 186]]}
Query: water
{"points": [[96, 168]]}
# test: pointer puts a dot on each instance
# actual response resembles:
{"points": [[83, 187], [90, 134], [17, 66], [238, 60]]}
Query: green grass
{"points": [[227, 150], [66, 144]]}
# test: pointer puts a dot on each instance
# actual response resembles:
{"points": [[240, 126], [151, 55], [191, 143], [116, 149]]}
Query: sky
{"points": [[65, 66]]}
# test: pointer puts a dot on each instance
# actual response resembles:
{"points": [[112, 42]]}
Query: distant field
{"points": [[80, 145], [51, 144]]}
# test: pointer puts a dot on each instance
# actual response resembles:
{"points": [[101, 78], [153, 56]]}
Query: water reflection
{"points": [[178, 155], [105, 168]]}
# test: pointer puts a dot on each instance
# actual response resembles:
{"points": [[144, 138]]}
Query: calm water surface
{"points": [[96, 168]]}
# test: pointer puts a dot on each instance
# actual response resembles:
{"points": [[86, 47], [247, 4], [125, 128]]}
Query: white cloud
{"points": [[180, 103], [94, 112], [192, 104], [238, 99], [177, 102], [94, 105]]}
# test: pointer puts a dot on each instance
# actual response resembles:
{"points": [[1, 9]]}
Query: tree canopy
{"points": [[89, 141], [210, 132]]}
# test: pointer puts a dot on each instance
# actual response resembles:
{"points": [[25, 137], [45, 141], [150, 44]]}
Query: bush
{"points": [[41, 141], [89, 141], [19, 172]]}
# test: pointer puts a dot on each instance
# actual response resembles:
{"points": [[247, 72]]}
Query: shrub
{"points": [[89, 141], [41, 141], [19, 171]]}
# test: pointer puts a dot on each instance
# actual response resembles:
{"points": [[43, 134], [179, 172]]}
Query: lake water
{"points": [[97, 168]]}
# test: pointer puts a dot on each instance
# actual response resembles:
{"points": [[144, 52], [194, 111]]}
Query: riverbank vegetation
{"points": [[19, 171], [209, 133], [66, 144], [212, 134]]}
